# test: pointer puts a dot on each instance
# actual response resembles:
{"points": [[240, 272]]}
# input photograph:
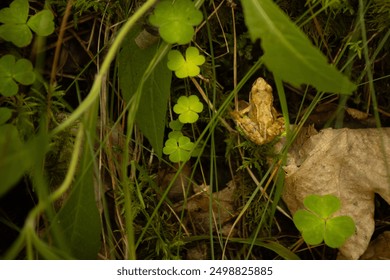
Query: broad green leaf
{"points": [[324, 206], [16, 13], [152, 109], [16, 157], [12, 155], [288, 53], [5, 115], [338, 230], [42, 23], [79, 218]]}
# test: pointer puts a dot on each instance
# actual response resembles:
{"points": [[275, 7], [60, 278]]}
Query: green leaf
{"points": [[176, 20], [12, 71], [188, 67], [42, 23], [188, 108], [178, 149], [288, 53], [271, 245], [5, 115], [338, 230], [23, 72], [175, 135], [12, 154], [311, 226], [16, 157], [16, 13], [324, 206], [15, 29], [79, 218], [316, 224], [152, 109], [20, 35], [176, 125]]}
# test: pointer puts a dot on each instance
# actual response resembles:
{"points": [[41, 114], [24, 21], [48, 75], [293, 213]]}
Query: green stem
{"points": [[95, 90]]}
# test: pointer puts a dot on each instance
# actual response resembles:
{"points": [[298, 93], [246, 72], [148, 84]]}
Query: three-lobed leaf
{"points": [[288, 53], [16, 28], [12, 71], [178, 148], [176, 20], [188, 108], [316, 224], [185, 67]]}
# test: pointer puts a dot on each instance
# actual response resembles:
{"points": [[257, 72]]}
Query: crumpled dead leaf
{"points": [[352, 164], [198, 214], [379, 249]]}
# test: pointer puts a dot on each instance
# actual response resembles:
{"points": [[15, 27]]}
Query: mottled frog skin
{"points": [[259, 121]]}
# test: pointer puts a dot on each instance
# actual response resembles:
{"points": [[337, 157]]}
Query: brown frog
{"points": [[259, 121]]}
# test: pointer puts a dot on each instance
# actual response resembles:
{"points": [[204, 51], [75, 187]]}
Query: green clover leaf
{"points": [[188, 108], [5, 115], [12, 71], [42, 23], [16, 28], [178, 149], [316, 224], [17, 12], [324, 206], [176, 125], [175, 135], [338, 230], [176, 20], [188, 67]]}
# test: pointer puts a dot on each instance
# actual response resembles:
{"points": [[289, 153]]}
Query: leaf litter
{"points": [[352, 164]]}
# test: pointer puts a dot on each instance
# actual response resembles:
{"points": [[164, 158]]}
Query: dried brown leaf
{"points": [[352, 164]]}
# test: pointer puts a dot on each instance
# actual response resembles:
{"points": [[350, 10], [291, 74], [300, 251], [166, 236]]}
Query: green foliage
{"points": [[5, 115], [288, 53], [185, 67], [12, 71], [17, 157], [79, 218], [188, 108], [176, 20], [16, 25], [178, 147], [176, 125], [42, 23], [317, 224], [132, 64]]}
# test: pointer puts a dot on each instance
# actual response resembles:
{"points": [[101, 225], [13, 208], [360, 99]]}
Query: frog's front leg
{"points": [[248, 128]]}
